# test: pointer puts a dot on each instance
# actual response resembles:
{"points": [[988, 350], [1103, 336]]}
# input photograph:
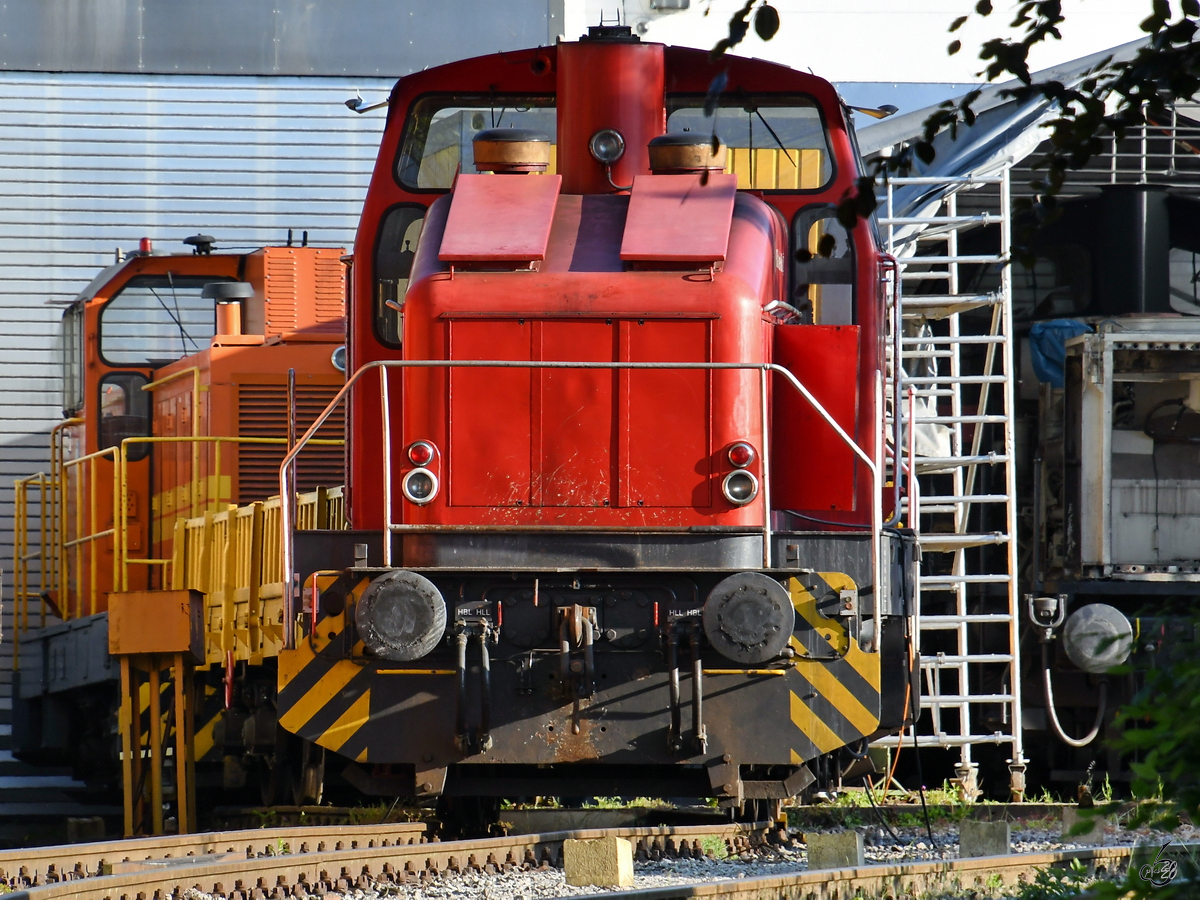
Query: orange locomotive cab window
{"points": [[156, 319], [124, 412]]}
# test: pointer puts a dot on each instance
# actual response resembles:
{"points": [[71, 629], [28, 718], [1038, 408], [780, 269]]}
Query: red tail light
{"points": [[742, 454], [421, 453]]}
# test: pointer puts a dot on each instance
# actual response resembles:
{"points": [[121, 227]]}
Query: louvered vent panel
{"points": [[262, 412], [282, 289], [330, 289]]}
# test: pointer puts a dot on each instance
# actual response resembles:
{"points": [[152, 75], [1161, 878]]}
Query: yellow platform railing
{"points": [[61, 537], [232, 557]]}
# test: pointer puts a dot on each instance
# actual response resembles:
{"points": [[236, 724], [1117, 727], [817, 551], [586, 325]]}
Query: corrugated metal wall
{"points": [[89, 163]]}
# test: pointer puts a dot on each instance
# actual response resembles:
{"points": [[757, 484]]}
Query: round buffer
{"points": [[749, 618], [401, 616]]}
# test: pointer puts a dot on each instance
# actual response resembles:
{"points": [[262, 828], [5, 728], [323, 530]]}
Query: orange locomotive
{"points": [[176, 406], [616, 410]]}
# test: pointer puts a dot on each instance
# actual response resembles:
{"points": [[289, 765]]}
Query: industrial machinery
{"points": [[1115, 471], [621, 518], [179, 374]]}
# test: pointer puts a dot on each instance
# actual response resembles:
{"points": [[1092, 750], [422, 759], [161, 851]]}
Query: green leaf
{"points": [[984, 7], [766, 21], [954, 47], [1190, 7], [803, 255], [925, 152], [961, 20], [713, 98]]}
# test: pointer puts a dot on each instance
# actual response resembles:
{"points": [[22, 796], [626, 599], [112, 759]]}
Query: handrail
{"points": [[873, 465], [60, 538]]}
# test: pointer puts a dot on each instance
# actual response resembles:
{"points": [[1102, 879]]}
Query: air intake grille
{"points": [[262, 412]]}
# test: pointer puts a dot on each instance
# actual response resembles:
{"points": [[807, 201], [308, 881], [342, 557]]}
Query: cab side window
{"points": [[395, 249], [822, 267], [124, 412]]}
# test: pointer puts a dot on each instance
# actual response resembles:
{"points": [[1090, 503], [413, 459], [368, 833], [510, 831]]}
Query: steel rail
{"points": [[239, 870], [239, 865], [42, 864], [917, 879]]}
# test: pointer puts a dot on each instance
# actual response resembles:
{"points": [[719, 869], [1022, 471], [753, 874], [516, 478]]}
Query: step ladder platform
{"points": [[942, 306]]}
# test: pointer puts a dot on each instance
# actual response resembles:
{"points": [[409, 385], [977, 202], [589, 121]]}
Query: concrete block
{"points": [[984, 839], [839, 850], [84, 829], [606, 862], [1072, 816]]}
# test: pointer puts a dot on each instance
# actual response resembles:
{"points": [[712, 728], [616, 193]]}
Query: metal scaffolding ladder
{"points": [[957, 386]]}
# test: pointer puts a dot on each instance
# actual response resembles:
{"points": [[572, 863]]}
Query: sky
{"points": [[891, 40]]}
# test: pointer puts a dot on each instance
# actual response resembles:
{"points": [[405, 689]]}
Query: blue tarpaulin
{"points": [[1048, 347]]}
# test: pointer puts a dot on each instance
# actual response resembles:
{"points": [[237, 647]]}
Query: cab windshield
{"points": [[436, 143], [156, 319], [777, 142]]}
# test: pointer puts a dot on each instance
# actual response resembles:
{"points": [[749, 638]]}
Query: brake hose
{"points": [[1053, 716]]}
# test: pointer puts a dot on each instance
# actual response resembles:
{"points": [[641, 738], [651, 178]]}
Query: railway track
{"points": [[303, 862]]}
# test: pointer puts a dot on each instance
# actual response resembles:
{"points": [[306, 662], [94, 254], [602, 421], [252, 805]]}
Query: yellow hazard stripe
{"points": [[806, 606], [865, 664], [347, 724], [202, 742], [322, 692], [814, 729], [839, 696]]}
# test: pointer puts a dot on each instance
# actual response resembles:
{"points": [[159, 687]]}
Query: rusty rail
{"points": [[917, 879], [271, 862]]}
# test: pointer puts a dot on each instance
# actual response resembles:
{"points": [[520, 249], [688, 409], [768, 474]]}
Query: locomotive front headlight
{"points": [[740, 487], [607, 146], [420, 486]]}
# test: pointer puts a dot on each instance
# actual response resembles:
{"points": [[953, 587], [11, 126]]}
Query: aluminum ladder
{"points": [[956, 384]]}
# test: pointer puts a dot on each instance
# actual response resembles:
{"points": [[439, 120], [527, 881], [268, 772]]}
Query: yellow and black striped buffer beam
{"points": [[325, 696], [834, 701]]}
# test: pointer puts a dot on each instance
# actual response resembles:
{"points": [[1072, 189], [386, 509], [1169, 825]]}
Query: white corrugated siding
{"points": [[89, 163]]}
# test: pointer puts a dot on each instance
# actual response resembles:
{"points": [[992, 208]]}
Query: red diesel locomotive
{"points": [[616, 411]]}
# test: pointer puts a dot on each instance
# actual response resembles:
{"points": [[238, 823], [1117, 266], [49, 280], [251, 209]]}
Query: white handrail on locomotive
{"points": [[285, 487]]}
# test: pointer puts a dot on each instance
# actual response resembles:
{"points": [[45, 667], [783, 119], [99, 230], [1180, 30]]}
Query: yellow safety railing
{"points": [[60, 538], [205, 492], [232, 556]]}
